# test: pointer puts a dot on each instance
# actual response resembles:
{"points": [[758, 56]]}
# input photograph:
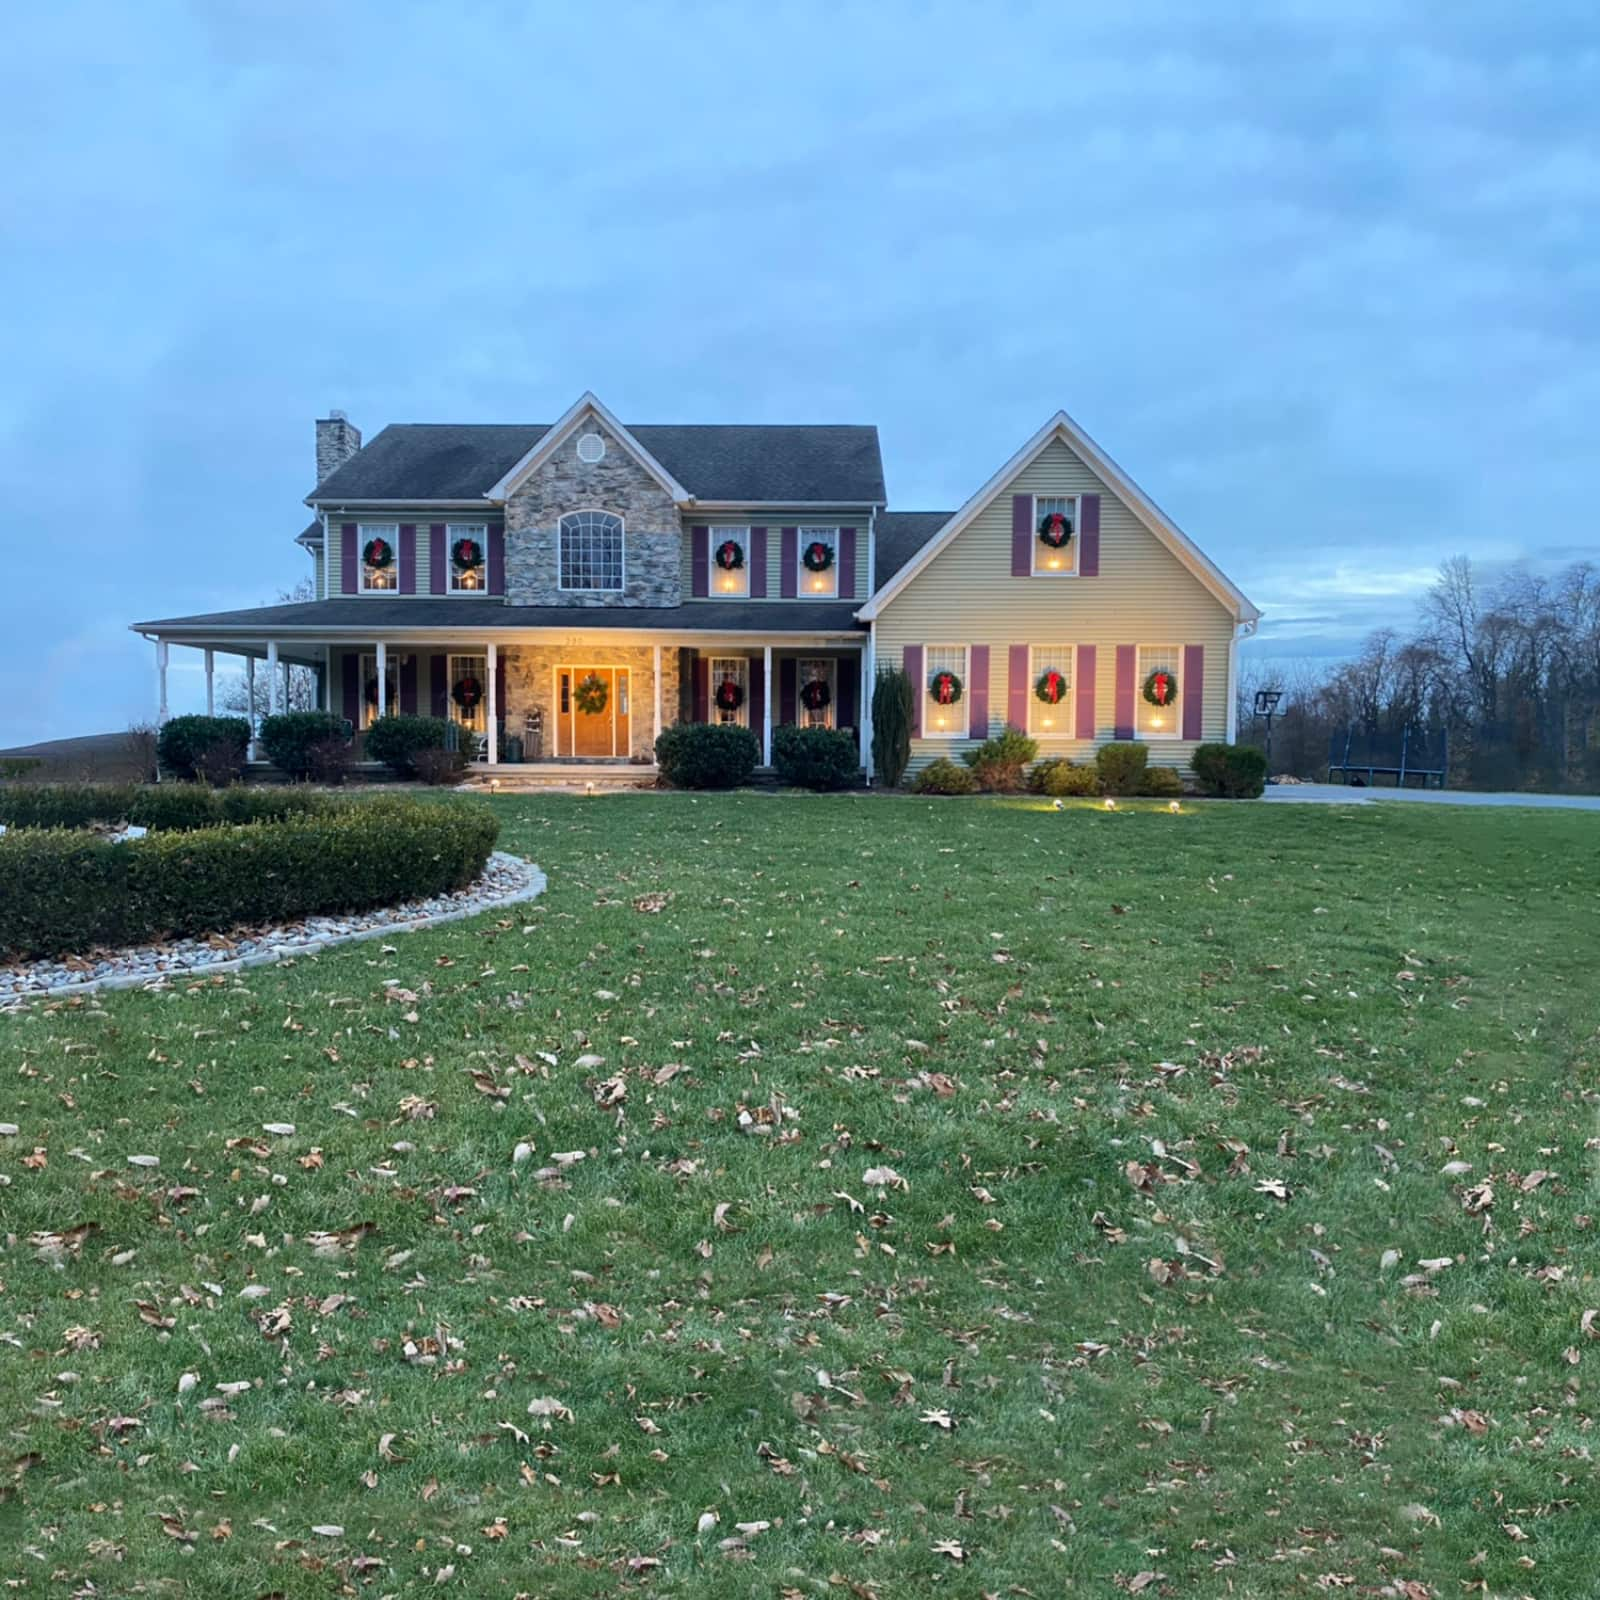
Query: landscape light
{"points": [[1111, 805], [1174, 808]]}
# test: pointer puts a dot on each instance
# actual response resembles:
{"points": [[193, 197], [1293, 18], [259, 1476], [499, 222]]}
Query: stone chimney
{"points": [[337, 440]]}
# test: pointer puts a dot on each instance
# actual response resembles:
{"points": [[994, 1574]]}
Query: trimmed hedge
{"points": [[396, 740], [63, 892], [944, 777], [183, 740], [707, 755], [1061, 778], [1121, 767], [1230, 771], [816, 758], [1161, 782], [288, 739], [168, 807]]}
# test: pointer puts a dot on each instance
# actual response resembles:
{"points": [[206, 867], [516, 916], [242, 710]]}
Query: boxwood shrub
{"points": [[1230, 771], [288, 739], [183, 740], [816, 758], [67, 892], [944, 777], [1121, 767], [1061, 778], [396, 740], [706, 755], [164, 807]]}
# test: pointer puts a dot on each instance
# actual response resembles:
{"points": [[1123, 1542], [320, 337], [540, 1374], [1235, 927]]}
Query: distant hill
{"points": [[106, 756]]}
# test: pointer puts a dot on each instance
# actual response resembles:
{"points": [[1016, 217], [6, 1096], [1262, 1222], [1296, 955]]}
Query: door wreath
{"points": [[591, 694]]}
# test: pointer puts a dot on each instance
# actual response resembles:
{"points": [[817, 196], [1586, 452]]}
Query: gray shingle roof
{"points": [[900, 534], [459, 461]]}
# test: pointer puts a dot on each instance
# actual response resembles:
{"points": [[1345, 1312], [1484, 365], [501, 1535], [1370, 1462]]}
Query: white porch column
{"points": [[864, 719], [250, 700], [383, 678], [288, 704], [655, 666], [768, 689], [273, 681], [161, 680], [211, 682], [327, 678], [492, 698]]}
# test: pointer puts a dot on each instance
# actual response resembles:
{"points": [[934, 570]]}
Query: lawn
{"points": [[839, 1196]]}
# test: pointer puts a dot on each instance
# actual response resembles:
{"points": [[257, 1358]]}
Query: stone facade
{"points": [[652, 531], [530, 681], [337, 440]]}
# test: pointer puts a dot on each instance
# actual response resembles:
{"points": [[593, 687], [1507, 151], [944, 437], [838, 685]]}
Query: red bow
{"points": [[946, 688], [1160, 688], [1052, 687]]}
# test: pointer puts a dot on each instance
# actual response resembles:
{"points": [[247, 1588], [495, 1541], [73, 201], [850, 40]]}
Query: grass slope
{"points": [[974, 1199]]}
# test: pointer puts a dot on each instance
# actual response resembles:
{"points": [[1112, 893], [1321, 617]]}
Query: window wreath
{"points": [[466, 553], [468, 691], [730, 695], [815, 695], [1055, 529], [730, 555], [591, 695], [378, 553], [1051, 688], [818, 556], [945, 687], [1160, 688]]}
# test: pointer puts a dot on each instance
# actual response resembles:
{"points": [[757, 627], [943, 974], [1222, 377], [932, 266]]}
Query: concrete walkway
{"points": [[1339, 795]]}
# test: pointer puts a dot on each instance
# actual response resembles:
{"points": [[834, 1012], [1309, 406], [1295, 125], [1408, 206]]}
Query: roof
{"points": [[363, 616], [899, 535], [832, 464]]}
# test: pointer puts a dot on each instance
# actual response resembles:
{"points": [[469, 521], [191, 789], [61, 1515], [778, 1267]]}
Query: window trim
{"points": [[1139, 675], [961, 729], [465, 530], [1036, 571], [368, 712], [715, 536], [804, 576], [365, 533], [451, 673], [622, 537], [741, 718], [830, 675], [1067, 705]]}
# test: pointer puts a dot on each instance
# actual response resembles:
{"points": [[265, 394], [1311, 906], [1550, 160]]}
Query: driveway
{"points": [[1340, 795]]}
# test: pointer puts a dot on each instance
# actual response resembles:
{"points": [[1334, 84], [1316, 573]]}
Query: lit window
{"points": [[369, 686], [730, 562], [819, 562], [944, 710], [466, 554], [1156, 690], [1055, 536], [729, 681], [378, 551], [818, 685], [1050, 691], [591, 550], [468, 690]]}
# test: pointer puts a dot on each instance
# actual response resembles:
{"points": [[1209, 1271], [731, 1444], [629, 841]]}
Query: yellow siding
{"points": [[776, 523], [1144, 595]]}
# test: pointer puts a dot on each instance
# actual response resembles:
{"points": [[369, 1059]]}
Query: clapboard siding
{"points": [[775, 522], [422, 519], [1143, 595]]}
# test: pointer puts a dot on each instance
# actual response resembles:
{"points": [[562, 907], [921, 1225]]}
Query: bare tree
{"points": [[233, 694]]}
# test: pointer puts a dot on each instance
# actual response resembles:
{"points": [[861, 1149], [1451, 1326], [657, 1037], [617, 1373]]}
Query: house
{"points": [[579, 586]]}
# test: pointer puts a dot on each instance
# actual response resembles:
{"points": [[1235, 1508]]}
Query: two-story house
{"points": [[579, 586]]}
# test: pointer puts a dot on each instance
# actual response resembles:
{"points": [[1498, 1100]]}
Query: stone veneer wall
{"points": [[652, 532], [530, 681]]}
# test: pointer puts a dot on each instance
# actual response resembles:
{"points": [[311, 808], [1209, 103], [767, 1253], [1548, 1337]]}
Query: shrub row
{"points": [[1001, 766], [63, 892], [164, 807]]}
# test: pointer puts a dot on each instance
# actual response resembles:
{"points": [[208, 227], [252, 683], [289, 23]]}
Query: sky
{"points": [[1322, 275]]}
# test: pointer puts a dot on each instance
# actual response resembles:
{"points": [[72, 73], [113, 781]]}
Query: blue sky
{"points": [[1324, 275]]}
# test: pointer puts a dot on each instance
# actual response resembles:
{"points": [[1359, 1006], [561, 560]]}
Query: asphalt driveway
{"points": [[1341, 795]]}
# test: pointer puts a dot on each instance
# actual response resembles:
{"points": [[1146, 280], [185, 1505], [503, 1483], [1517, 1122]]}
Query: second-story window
{"points": [[819, 562], [380, 557], [467, 551], [591, 550], [730, 562]]}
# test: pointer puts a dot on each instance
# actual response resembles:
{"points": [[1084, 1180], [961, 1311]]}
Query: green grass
{"points": [[1011, 1008]]}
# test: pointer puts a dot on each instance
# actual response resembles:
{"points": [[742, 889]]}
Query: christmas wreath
{"points": [[818, 556], [1161, 687], [379, 553], [815, 695], [467, 553], [730, 555], [730, 695], [1051, 688], [1055, 529], [372, 691], [591, 694], [467, 692], [945, 687]]}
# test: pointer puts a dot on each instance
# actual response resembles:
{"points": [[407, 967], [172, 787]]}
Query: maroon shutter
{"points": [[438, 685], [1089, 536], [408, 684], [847, 563], [699, 561], [1084, 690], [497, 561], [789, 557], [912, 661], [758, 693], [1192, 689], [758, 563], [1123, 719], [350, 676], [1021, 535], [408, 558], [978, 691], [849, 691], [436, 559], [702, 689], [786, 692], [350, 580], [1017, 687]]}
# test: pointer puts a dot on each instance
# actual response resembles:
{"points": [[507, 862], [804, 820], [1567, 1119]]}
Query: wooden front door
{"points": [[598, 728]]}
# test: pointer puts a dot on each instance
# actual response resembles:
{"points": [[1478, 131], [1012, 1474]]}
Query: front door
{"points": [[594, 711]]}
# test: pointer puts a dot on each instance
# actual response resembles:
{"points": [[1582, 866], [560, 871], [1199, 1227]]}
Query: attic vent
{"points": [[591, 448]]}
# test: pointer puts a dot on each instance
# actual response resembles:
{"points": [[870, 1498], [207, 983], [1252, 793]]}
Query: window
{"points": [[369, 686], [1156, 721], [591, 550], [725, 670], [591, 448], [466, 554], [1050, 562], [819, 563], [467, 691], [824, 672], [729, 545], [378, 551], [941, 720], [1050, 721]]}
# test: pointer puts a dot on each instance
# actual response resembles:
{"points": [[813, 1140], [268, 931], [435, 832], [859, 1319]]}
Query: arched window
{"points": [[591, 550]]}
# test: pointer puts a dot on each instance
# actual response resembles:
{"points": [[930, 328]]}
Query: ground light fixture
{"points": [[1174, 808], [1111, 805], [589, 788]]}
